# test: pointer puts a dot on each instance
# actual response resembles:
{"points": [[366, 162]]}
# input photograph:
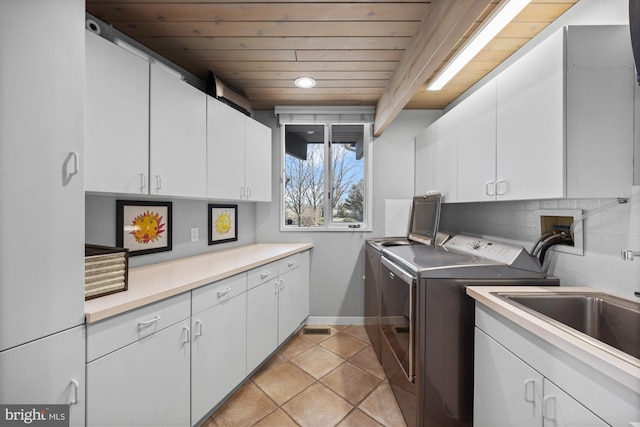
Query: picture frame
{"points": [[223, 223], [143, 227]]}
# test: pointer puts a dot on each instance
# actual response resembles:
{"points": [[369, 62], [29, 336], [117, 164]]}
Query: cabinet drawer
{"points": [[217, 292], [111, 334], [289, 263], [262, 274]]}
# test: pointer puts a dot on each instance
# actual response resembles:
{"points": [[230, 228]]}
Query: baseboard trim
{"points": [[334, 320]]}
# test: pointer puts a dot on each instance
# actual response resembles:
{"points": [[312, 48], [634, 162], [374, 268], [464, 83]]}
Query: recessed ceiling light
{"points": [[305, 82]]}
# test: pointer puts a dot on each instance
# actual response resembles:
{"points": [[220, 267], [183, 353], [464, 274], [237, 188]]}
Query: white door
{"points": [[46, 372], [116, 119], [225, 151], [293, 305], [41, 168], [477, 145], [218, 354], [507, 391], [425, 155], [257, 161], [146, 383], [262, 322], [561, 410], [178, 137], [445, 135], [530, 130]]}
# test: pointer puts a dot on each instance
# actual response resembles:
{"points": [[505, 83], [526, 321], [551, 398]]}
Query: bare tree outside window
{"points": [[321, 190]]}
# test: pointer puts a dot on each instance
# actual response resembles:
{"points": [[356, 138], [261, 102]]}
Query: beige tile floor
{"points": [[315, 380]]}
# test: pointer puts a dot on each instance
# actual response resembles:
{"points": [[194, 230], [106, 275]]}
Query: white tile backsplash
{"points": [[606, 234]]}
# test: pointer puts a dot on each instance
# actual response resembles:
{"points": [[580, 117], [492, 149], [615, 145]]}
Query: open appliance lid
{"points": [[425, 218]]}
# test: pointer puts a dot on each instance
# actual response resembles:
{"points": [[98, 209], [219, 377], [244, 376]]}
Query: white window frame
{"points": [[327, 120]]}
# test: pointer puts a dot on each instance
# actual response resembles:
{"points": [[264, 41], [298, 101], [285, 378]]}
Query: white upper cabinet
{"points": [[600, 107], [565, 117], [477, 145], [530, 132], [178, 137], [556, 123], [116, 119], [257, 161], [425, 162], [238, 155], [445, 136]]}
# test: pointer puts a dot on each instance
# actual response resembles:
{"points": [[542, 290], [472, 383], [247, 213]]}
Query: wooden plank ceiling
{"points": [[351, 48]]}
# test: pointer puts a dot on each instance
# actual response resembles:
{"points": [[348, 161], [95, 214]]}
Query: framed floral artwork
{"points": [[223, 223], [143, 227]]}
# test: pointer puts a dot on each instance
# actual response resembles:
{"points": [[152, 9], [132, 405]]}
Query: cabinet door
{"points": [[293, 307], [445, 135], [225, 151], [262, 322], [257, 161], [425, 162], [218, 359], [116, 119], [530, 118], [561, 410], [178, 137], [507, 391], [477, 145], [47, 371], [41, 169], [146, 383]]}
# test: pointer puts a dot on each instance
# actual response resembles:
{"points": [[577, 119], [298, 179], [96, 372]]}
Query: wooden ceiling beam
{"points": [[444, 24]]}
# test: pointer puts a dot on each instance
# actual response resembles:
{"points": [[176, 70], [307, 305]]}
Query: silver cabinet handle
{"points": [[76, 392], [265, 274], [148, 322], [143, 183], [242, 192], [158, 183], [223, 292], [487, 186], [545, 408], [187, 337], [531, 399], [248, 192], [499, 186], [276, 286], [281, 285], [70, 167], [198, 329], [291, 263]]}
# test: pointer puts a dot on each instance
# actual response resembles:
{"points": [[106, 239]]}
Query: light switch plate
{"points": [[194, 234]]}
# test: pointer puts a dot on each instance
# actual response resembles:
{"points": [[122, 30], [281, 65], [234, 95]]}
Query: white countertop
{"points": [[617, 365], [155, 282]]}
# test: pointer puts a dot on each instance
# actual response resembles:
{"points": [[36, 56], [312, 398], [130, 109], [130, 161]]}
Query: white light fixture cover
{"points": [[505, 12], [305, 82]]}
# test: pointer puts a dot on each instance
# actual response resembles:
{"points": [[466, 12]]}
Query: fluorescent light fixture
{"points": [[504, 13], [305, 82]]}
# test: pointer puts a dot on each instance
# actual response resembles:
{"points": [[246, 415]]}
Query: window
{"points": [[326, 184]]}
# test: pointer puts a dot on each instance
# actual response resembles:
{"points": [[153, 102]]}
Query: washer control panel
{"points": [[496, 251]]}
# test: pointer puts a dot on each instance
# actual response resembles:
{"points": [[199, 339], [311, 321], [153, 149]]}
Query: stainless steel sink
{"points": [[608, 319]]}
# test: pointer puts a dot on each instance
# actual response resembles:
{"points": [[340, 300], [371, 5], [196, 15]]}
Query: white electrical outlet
{"points": [[194, 234]]}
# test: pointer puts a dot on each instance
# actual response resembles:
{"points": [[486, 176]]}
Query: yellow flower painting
{"points": [[223, 223]]}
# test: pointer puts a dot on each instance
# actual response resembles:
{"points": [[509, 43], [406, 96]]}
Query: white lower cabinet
{"points": [[276, 308], [509, 392], [262, 322], [49, 371], [143, 384], [218, 353]]}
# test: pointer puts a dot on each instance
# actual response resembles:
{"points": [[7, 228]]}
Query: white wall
{"points": [[337, 287], [100, 227]]}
